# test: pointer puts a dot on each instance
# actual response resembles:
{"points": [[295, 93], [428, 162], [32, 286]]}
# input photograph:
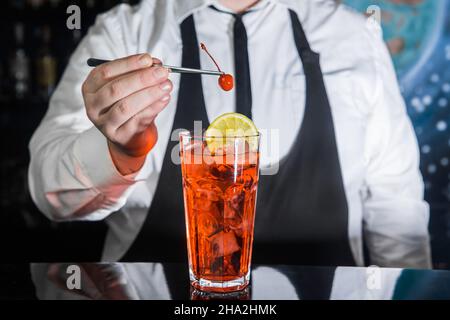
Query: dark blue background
{"points": [[425, 84]]}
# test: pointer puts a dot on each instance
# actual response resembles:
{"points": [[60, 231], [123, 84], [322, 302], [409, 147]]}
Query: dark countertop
{"points": [[157, 281]]}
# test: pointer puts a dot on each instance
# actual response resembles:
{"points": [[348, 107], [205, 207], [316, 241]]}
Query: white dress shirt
{"points": [[72, 176]]}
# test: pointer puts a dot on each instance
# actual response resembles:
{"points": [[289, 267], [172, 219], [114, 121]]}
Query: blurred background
{"points": [[36, 46]]}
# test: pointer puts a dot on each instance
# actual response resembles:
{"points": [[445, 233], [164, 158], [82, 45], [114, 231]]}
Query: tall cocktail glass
{"points": [[220, 181]]}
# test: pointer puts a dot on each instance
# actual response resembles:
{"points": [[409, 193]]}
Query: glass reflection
{"points": [[208, 296], [99, 281]]}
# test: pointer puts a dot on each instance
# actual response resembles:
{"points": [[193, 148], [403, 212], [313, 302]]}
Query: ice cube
{"points": [[223, 244], [208, 198], [229, 266], [246, 180], [217, 265], [207, 223], [240, 228], [233, 207], [222, 171], [235, 197], [205, 189], [208, 158]]}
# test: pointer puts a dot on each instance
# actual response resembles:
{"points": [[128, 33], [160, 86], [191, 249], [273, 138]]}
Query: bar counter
{"points": [[156, 281]]}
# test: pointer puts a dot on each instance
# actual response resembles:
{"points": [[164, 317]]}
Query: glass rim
{"points": [[194, 134]]}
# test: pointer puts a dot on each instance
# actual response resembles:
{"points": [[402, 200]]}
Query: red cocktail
{"points": [[220, 180]]}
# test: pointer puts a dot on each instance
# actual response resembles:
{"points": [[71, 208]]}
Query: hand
{"points": [[122, 98], [97, 281]]}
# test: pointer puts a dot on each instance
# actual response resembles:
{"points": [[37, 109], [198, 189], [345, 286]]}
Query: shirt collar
{"points": [[186, 8]]}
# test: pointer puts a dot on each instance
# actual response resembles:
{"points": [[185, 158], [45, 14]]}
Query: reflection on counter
{"points": [[155, 281], [198, 295]]}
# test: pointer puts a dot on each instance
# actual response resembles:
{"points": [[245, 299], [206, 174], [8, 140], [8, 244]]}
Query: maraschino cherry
{"points": [[226, 81]]}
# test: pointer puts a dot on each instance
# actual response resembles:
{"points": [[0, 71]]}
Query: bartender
{"points": [[314, 70]]}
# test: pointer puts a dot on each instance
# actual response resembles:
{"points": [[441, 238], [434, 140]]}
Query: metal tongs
{"points": [[93, 62]]}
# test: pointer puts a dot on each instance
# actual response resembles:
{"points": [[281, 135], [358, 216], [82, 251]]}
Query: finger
{"points": [[142, 120], [128, 84], [126, 108], [104, 73]]}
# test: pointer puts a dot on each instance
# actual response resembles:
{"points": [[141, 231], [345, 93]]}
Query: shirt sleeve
{"points": [[395, 213], [71, 173]]}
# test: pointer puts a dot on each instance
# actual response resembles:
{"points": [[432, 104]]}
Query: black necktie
{"points": [[242, 65]]}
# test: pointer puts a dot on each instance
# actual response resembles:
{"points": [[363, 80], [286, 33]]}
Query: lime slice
{"points": [[221, 131]]}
